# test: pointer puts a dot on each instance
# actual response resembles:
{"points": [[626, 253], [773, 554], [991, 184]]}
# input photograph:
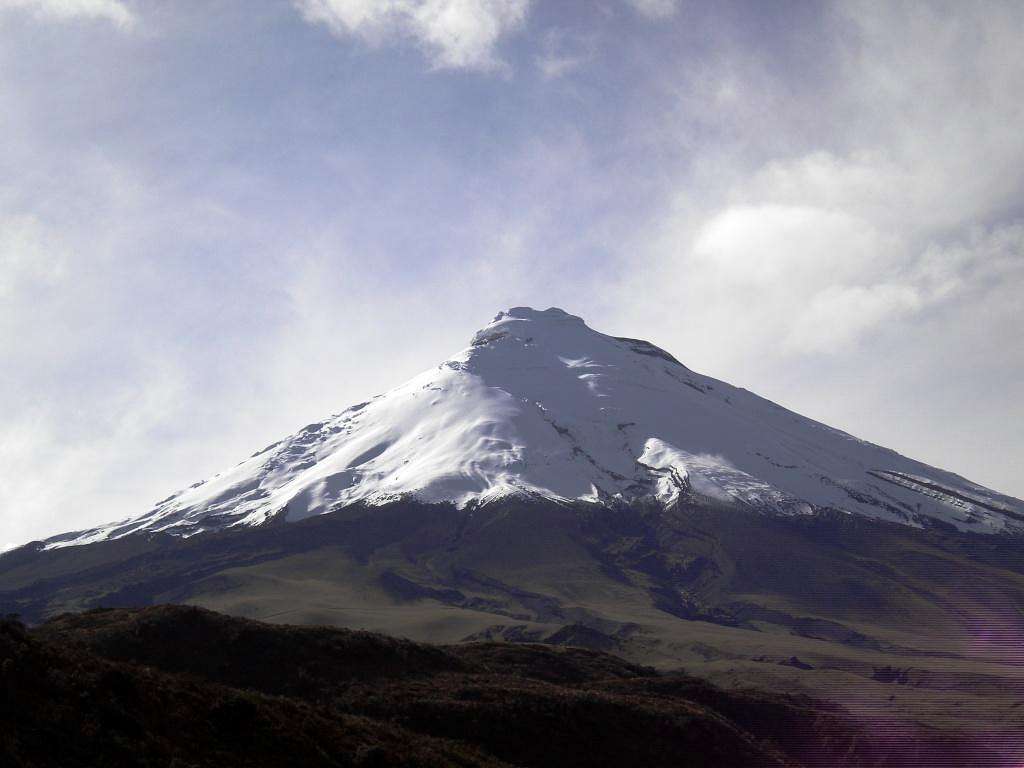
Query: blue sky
{"points": [[221, 220]]}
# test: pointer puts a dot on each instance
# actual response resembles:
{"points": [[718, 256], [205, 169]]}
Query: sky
{"points": [[221, 220]]}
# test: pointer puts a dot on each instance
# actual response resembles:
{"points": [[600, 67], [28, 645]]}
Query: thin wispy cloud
{"points": [[454, 34], [655, 9], [113, 11], [30, 256], [563, 52]]}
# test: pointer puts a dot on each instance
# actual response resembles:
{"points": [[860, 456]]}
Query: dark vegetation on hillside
{"points": [[183, 686]]}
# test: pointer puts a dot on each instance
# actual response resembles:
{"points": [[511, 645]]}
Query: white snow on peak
{"points": [[541, 404]]}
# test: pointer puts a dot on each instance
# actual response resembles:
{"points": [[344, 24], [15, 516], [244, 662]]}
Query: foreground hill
{"points": [[184, 686]]}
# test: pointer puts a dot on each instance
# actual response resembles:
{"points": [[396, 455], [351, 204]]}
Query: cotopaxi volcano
{"points": [[552, 484], [541, 405]]}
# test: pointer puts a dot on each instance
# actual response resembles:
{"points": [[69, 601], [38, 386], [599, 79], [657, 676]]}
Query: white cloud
{"points": [[793, 279], [780, 244], [838, 315], [454, 34], [113, 11], [809, 281]]}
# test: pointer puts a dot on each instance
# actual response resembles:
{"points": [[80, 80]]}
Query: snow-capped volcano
{"points": [[541, 404]]}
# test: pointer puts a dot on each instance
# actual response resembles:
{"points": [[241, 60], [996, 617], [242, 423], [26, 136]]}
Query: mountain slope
{"points": [[541, 405]]}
